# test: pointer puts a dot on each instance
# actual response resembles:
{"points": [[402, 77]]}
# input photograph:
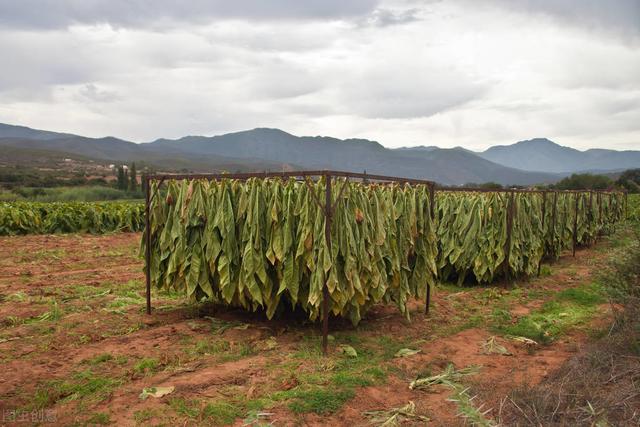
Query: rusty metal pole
{"points": [[553, 222], [432, 214], [544, 213], [507, 249], [147, 238], [600, 222], [325, 289], [626, 204], [590, 217], [575, 224]]}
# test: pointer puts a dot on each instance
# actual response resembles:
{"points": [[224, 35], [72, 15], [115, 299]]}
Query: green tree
{"points": [[123, 178], [630, 180], [584, 181], [133, 179]]}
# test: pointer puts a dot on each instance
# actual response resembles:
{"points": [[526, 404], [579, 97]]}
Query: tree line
{"points": [[127, 178]]}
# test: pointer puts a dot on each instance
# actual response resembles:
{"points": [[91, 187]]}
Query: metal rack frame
{"points": [[328, 209]]}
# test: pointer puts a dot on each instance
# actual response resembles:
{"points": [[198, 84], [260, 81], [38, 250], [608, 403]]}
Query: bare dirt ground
{"points": [[77, 349]]}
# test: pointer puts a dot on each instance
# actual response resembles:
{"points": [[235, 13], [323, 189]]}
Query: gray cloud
{"points": [[409, 93], [402, 72], [93, 93], [48, 14], [619, 16], [387, 17]]}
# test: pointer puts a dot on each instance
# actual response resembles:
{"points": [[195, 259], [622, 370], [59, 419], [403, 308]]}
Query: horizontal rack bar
{"points": [[290, 174]]}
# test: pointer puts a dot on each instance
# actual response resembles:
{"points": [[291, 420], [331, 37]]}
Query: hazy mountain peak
{"points": [[266, 131], [420, 148], [542, 154]]}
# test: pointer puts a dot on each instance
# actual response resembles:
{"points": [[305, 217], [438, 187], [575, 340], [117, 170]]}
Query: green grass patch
{"points": [[320, 400], [84, 385], [101, 358], [389, 346], [144, 415], [348, 379], [221, 413], [184, 407], [146, 366], [585, 295], [212, 413], [99, 418], [209, 346], [569, 308]]}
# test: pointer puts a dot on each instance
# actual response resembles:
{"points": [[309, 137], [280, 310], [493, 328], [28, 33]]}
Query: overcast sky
{"points": [[402, 72]]}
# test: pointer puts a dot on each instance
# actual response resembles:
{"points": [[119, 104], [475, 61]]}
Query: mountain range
{"points": [[527, 162], [542, 155]]}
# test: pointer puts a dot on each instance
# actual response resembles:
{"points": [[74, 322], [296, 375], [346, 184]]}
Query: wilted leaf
{"points": [[269, 344], [156, 391], [491, 346], [347, 350], [523, 340], [406, 352]]}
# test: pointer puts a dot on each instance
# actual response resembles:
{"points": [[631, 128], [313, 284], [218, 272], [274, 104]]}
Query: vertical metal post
{"points": [[600, 222], [432, 215], [553, 222], [575, 223], [507, 249], [325, 289], [147, 238], [544, 213], [590, 216]]}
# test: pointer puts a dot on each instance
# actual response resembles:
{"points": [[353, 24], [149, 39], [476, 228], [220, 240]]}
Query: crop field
{"points": [[76, 347]]}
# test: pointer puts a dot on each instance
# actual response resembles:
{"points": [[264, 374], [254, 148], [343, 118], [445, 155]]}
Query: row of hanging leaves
{"points": [[260, 243], [472, 230]]}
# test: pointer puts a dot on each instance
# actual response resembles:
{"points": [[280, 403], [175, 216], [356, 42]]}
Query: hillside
{"points": [[273, 149], [448, 166]]}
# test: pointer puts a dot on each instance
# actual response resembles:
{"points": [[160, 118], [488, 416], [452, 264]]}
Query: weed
{"points": [[146, 366], [81, 385], [182, 407], [53, 315], [18, 297], [246, 350], [99, 418], [144, 415], [101, 358], [586, 295], [390, 346], [203, 347], [221, 413], [347, 379], [545, 270], [546, 324], [320, 401]]}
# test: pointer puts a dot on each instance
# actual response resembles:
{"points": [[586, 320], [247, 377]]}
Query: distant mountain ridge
{"points": [[448, 166], [273, 149], [543, 155]]}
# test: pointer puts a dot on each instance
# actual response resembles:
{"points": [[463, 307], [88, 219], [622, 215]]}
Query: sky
{"points": [[402, 72]]}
